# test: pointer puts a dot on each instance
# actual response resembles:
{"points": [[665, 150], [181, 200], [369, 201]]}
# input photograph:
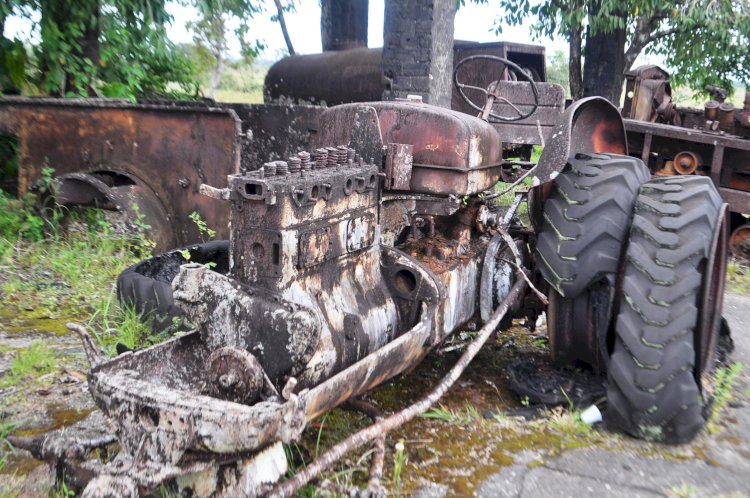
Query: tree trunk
{"points": [[575, 78], [343, 24], [604, 61]]}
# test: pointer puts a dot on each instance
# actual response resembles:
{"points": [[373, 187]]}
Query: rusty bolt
{"points": [[304, 158], [333, 155], [282, 168], [269, 168], [295, 164], [184, 182], [321, 158]]}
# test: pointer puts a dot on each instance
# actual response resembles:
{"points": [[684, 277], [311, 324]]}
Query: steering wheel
{"points": [[490, 91]]}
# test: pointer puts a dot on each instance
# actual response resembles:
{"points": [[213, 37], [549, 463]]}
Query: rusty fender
{"points": [[589, 125]]}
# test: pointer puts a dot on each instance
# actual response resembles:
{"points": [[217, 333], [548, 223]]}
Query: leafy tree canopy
{"points": [[703, 41], [115, 48]]}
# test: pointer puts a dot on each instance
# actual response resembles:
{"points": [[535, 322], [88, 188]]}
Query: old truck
{"points": [[349, 260]]}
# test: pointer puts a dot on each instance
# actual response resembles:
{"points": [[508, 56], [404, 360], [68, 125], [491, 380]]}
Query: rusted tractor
{"points": [[348, 263]]}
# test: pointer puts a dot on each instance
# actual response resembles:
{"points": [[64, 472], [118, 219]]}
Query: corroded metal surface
{"points": [[739, 242], [347, 264], [314, 310], [588, 125], [171, 149], [346, 76], [452, 153], [725, 158], [151, 157]]}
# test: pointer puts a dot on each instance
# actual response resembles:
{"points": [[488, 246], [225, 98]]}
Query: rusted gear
{"points": [[739, 242], [234, 375]]}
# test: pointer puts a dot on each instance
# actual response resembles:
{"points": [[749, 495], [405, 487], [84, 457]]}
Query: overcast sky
{"points": [[473, 22]]}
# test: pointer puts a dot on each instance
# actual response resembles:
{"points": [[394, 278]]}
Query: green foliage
{"points": [[723, 392], [115, 48], [557, 70], [13, 59], [120, 48], [703, 41], [459, 417], [18, 221], [710, 43], [154, 66], [74, 268], [6, 428], [205, 231], [112, 324], [399, 461], [738, 277]]}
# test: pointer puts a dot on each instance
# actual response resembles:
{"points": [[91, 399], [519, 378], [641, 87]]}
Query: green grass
{"points": [[67, 264], [738, 277], [464, 416], [113, 324], [723, 393], [32, 362]]}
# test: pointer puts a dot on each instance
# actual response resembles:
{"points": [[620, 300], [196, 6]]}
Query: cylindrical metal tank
{"points": [[333, 78]]}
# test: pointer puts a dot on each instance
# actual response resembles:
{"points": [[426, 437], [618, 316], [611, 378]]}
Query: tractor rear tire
{"points": [[147, 285], [654, 388], [586, 220]]}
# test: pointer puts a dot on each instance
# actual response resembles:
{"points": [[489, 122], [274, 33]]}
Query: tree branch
{"points": [[284, 31], [288, 487]]}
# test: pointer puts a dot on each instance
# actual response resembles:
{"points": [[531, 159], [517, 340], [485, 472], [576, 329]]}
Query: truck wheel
{"points": [[147, 285], [586, 219], [669, 311]]}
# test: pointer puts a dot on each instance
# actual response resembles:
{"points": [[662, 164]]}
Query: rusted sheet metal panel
{"points": [[538, 127], [589, 125], [274, 131], [453, 153], [172, 149], [398, 165]]}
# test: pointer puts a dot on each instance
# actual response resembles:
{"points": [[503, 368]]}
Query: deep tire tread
{"points": [[586, 219], [652, 391]]}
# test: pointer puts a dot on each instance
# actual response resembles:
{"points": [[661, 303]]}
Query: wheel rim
{"points": [[711, 298]]}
